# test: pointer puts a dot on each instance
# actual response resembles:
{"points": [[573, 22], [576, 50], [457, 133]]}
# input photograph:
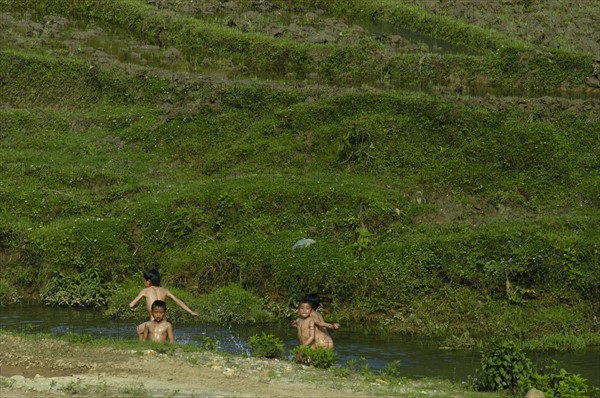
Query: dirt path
{"points": [[47, 368]]}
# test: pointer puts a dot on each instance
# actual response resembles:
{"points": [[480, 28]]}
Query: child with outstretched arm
{"points": [[321, 335], [152, 292]]}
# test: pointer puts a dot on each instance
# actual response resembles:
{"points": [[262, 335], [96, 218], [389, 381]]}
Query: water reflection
{"points": [[418, 357]]}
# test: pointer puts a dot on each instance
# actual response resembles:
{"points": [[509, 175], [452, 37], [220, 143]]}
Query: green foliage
{"points": [[504, 367], [234, 304], [85, 289], [118, 303], [392, 370], [558, 383], [318, 357], [208, 343], [452, 214], [363, 240], [8, 293], [359, 366], [266, 345], [80, 338]]}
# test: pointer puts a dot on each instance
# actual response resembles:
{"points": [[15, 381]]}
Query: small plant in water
{"points": [[28, 327], [208, 343], [266, 345]]}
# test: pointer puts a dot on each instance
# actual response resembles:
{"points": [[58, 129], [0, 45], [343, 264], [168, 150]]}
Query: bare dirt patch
{"points": [[42, 367]]}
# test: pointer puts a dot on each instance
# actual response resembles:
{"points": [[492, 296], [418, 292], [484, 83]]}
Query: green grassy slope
{"points": [[436, 213]]}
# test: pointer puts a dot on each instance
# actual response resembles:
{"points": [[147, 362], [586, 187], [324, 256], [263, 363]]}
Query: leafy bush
{"points": [[233, 304], [558, 383], [392, 370], [504, 367], [266, 345], [8, 293], [318, 357], [86, 289]]}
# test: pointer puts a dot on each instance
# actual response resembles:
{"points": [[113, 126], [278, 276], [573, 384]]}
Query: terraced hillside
{"points": [[444, 162]]}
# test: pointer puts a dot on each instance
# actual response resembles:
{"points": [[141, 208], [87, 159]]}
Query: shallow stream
{"points": [[418, 357]]}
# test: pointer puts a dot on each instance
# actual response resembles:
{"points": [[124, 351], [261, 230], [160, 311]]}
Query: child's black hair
{"points": [[305, 300], [314, 300], [159, 304], [153, 276]]}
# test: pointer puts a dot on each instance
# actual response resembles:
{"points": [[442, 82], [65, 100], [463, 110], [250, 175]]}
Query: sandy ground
{"points": [[38, 367]]}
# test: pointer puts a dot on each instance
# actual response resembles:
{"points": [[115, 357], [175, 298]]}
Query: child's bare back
{"points": [[153, 292], [322, 336]]}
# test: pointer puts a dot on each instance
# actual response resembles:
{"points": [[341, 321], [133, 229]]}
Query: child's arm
{"points": [[181, 303], [136, 300], [170, 333], [146, 331], [327, 325], [319, 321]]}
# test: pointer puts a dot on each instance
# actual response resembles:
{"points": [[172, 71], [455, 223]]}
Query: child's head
{"points": [[153, 276], [159, 309], [314, 299], [305, 308]]}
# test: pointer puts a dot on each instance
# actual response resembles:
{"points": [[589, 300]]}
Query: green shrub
{"points": [[558, 383], [266, 345], [504, 367], [392, 370], [318, 357], [233, 304], [8, 293], [85, 289]]}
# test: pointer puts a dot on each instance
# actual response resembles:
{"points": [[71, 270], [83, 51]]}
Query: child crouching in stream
{"points": [[158, 329]]}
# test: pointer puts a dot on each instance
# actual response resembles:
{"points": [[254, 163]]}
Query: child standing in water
{"points": [[152, 292], [305, 324], [159, 329], [322, 336], [323, 339]]}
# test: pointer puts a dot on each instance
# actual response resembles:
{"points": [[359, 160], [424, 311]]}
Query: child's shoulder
{"points": [[316, 315], [162, 291]]}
